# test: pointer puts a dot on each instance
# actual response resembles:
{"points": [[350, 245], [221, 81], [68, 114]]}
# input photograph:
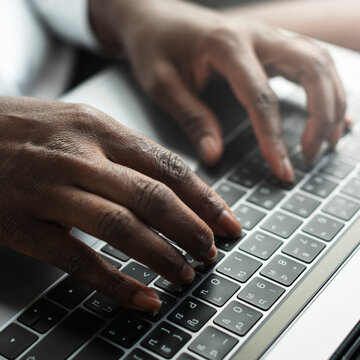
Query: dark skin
{"points": [[65, 165], [68, 165]]}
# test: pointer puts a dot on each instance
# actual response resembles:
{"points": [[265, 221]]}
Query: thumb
{"points": [[194, 117]]}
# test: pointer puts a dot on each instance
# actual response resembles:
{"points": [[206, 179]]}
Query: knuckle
{"points": [[320, 64], [172, 167], [222, 37], [265, 99], [115, 223], [77, 263], [159, 82]]}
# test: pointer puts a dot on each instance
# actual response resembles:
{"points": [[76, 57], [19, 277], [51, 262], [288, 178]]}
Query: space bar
{"points": [[67, 337]]}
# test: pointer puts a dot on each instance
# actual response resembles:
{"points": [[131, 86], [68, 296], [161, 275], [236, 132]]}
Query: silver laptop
{"points": [[287, 289]]}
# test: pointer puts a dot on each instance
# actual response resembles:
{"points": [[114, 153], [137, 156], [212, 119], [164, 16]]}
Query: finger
{"points": [[155, 204], [52, 244], [122, 229], [250, 84], [195, 118], [145, 156]]}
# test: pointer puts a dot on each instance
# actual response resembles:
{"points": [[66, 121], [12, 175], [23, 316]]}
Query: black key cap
{"points": [[227, 244], [319, 186], [260, 245], [216, 290], [139, 354], [139, 272], [238, 318], [301, 205], [167, 303], [229, 193], [185, 356], [281, 224], [126, 330], [342, 208], [248, 216], [67, 337], [192, 314], [203, 268], [257, 163], [49, 319], [213, 344], [102, 305], [35, 311], [303, 248], [111, 261], [166, 340], [352, 188], [337, 168], [70, 292], [176, 289], [283, 270], [246, 177], [274, 180], [239, 266], [14, 340], [323, 227], [110, 250], [99, 349], [261, 293], [266, 196], [299, 162]]}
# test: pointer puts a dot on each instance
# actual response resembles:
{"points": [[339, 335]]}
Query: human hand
{"points": [[65, 165], [174, 46]]}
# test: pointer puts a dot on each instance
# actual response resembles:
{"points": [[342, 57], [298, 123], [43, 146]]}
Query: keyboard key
{"points": [[239, 266], [139, 272], [337, 168], [319, 186], [213, 344], [229, 193], [216, 290], [167, 303], [192, 314], [14, 340], [99, 349], [352, 188], [248, 216], [139, 354], [67, 337], [228, 244], [49, 319], [261, 293], [323, 227], [257, 163], [166, 340], [35, 311], [185, 356], [303, 248], [246, 177], [126, 330], [301, 205], [274, 180], [260, 245], [110, 250], [266, 196], [70, 292], [102, 305], [281, 224], [203, 268], [299, 162], [176, 289], [238, 318], [283, 270], [342, 208]]}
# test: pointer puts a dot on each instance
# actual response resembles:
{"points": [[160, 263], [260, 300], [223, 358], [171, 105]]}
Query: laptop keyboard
{"points": [[287, 228]]}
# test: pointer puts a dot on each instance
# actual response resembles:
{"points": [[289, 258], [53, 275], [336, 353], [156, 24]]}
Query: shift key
{"points": [[67, 337]]}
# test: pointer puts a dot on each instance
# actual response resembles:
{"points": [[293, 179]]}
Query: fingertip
{"points": [[146, 301], [287, 171], [229, 224], [210, 149]]}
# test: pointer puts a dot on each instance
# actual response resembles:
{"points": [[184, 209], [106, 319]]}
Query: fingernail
{"points": [[187, 274], [287, 171], [211, 255], [146, 302], [230, 225], [209, 149]]}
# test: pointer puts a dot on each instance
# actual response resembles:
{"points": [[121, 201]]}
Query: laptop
{"points": [[288, 288]]}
